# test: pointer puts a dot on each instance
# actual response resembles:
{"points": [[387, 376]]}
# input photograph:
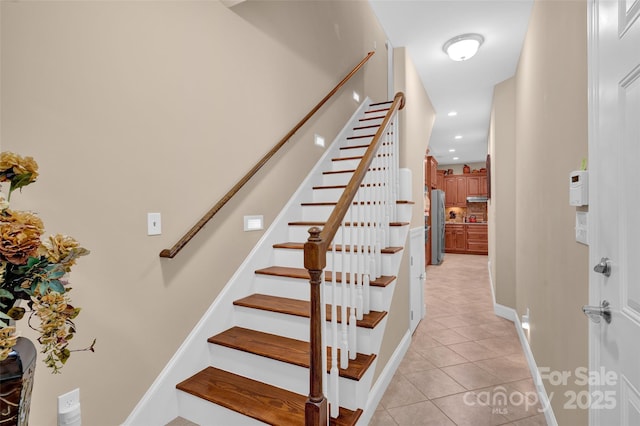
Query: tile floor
{"points": [[464, 361]]}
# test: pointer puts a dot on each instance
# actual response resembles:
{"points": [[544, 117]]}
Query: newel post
{"points": [[315, 260]]}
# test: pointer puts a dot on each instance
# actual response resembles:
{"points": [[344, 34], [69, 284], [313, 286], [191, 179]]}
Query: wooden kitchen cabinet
{"points": [[455, 238], [466, 238], [431, 172], [477, 185], [440, 180], [477, 239], [455, 191]]}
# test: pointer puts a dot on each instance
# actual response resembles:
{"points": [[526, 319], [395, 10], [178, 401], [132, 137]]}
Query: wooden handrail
{"points": [[315, 260], [170, 253]]}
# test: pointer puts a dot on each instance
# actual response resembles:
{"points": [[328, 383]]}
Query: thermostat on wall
{"points": [[579, 188]]}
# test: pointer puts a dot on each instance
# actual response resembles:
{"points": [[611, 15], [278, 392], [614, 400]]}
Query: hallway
{"points": [[465, 365]]}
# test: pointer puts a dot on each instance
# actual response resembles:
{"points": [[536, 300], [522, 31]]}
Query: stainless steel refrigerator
{"points": [[437, 226]]}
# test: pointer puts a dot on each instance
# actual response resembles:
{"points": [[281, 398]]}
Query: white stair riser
{"points": [[295, 259], [380, 297], [367, 130], [343, 178], [327, 195], [403, 212], [202, 412], [356, 151], [336, 178], [295, 327], [344, 164], [300, 233], [333, 194], [281, 374]]}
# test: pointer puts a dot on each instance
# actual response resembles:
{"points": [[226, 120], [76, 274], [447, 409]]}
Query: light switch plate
{"points": [[154, 224], [582, 222]]}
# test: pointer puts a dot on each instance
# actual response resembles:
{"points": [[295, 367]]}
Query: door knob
{"points": [[596, 313], [604, 267]]}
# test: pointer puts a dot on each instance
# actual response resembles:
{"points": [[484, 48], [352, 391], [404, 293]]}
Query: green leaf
{"points": [[55, 285], [6, 294], [56, 274]]}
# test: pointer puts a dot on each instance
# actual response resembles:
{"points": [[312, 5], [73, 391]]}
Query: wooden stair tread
{"points": [[300, 246], [301, 273], [284, 349], [263, 402], [301, 308]]}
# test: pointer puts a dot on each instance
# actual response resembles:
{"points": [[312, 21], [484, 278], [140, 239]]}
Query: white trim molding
{"points": [[512, 315]]}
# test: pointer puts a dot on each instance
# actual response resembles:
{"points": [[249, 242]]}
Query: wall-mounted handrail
{"points": [[170, 253], [315, 261]]}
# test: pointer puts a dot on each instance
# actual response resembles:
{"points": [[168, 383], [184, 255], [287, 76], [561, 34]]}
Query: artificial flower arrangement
{"points": [[34, 270]]}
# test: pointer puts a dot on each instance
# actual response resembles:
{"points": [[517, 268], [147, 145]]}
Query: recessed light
{"points": [[452, 150], [456, 158], [452, 113], [458, 137]]}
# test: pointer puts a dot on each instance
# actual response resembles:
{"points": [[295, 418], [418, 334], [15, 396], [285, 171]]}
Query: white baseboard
{"points": [[380, 386], [512, 315]]}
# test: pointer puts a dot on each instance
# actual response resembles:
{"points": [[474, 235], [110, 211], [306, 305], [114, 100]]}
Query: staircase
{"points": [[255, 368]]}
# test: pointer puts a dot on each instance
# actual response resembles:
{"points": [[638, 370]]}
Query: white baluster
{"points": [[334, 396], [344, 353], [352, 286], [367, 243], [360, 255]]}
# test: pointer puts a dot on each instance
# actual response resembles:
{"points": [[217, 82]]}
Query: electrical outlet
{"points": [[69, 413]]}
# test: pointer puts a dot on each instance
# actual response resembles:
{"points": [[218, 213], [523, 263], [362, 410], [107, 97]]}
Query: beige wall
{"points": [[502, 216], [416, 123], [136, 107], [551, 268]]}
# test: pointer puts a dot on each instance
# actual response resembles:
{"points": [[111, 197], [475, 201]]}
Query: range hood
{"points": [[477, 199]]}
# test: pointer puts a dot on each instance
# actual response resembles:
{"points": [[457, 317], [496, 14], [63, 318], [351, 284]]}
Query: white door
{"points": [[416, 277], [614, 162]]}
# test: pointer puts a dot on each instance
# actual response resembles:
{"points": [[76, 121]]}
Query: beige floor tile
{"points": [[538, 420], [505, 345], [465, 410], [448, 336], [420, 414], [442, 356], [507, 368], [473, 332], [473, 351], [413, 361], [508, 401], [434, 383], [471, 376], [401, 392], [382, 418], [460, 344]]}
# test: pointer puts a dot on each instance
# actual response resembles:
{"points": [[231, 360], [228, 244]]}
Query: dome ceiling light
{"points": [[463, 47]]}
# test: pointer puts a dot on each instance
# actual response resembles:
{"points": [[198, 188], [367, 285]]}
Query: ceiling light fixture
{"points": [[463, 47], [458, 137], [452, 114], [452, 150], [456, 158]]}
